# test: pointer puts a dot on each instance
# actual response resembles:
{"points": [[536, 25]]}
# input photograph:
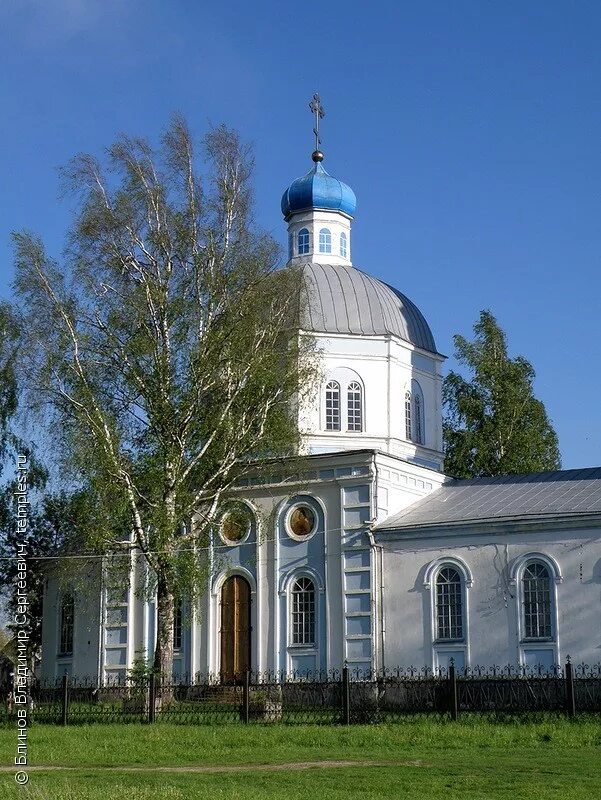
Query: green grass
{"points": [[472, 759]]}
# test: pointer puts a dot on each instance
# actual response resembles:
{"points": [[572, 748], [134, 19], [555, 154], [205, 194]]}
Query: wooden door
{"points": [[235, 628]]}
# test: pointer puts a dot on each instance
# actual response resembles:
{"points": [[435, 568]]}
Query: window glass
{"points": [[343, 244], [66, 629], [332, 406], [354, 407], [177, 624], [418, 419], [449, 610], [325, 241], [303, 612], [536, 588], [408, 432], [303, 242]]}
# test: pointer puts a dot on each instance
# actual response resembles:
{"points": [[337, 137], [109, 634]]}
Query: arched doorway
{"points": [[235, 628]]}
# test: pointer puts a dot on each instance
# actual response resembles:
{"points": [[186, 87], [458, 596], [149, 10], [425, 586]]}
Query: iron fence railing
{"points": [[335, 697]]}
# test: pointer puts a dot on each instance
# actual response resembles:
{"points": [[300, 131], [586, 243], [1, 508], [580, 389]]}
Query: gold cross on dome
{"points": [[317, 108]]}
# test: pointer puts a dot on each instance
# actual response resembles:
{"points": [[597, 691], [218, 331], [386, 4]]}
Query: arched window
{"points": [[303, 242], [449, 605], [354, 407], [408, 434], [343, 244], [536, 601], [66, 624], [325, 241], [417, 413], [332, 406], [290, 245], [177, 624], [303, 612]]}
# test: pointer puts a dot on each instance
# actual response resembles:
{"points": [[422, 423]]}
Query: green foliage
{"points": [[494, 424], [163, 352], [139, 674]]}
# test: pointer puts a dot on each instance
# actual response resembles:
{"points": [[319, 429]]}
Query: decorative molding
{"points": [[438, 563]]}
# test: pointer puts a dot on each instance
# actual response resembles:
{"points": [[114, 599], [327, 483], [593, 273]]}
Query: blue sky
{"points": [[470, 132]]}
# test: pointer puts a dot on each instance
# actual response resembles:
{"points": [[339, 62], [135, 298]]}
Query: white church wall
{"points": [[339, 490], [83, 660], [492, 602]]}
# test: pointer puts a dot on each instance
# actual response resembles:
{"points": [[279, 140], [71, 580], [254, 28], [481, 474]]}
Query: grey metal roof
{"points": [[539, 494], [342, 299]]}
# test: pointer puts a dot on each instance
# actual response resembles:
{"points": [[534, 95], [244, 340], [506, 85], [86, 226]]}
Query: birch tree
{"points": [[494, 424], [164, 352]]}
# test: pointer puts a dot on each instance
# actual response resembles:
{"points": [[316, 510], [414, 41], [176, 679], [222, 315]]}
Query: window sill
{"points": [[541, 641], [447, 642]]}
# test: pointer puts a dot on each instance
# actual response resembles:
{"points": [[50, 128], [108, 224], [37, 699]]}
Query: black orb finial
{"points": [[317, 155]]}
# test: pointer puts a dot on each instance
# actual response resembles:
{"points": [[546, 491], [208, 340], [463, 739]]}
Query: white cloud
{"points": [[48, 22]]}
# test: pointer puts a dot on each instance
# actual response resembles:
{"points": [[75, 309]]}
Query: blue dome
{"points": [[319, 190]]}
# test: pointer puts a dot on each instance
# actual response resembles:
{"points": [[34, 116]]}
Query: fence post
{"points": [[152, 697], [453, 704], [570, 696], [246, 697], [65, 700], [346, 697]]}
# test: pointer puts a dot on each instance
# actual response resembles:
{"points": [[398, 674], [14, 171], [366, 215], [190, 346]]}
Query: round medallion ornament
{"points": [[235, 523], [301, 521]]}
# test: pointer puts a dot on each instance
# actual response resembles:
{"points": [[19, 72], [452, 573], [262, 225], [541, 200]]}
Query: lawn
{"points": [[417, 758]]}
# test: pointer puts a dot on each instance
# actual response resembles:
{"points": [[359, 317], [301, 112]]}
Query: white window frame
{"points": [[333, 386], [305, 248], [430, 576], [357, 389], [451, 599], [408, 416], [65, 654], [325, 241], [344, 377], [418, 416], [296, 646], [516, 584], [343, 244]]}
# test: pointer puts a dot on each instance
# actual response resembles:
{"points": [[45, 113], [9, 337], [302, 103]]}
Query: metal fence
{"points": [[336, 697]]}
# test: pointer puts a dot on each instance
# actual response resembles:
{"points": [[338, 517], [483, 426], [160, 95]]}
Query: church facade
{"points": [[368, 555]]}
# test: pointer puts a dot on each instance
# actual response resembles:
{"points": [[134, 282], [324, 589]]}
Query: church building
{"points": [[369, 556]]}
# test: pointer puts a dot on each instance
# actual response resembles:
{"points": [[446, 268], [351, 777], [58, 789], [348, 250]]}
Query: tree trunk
{"points": [[163, 653]]}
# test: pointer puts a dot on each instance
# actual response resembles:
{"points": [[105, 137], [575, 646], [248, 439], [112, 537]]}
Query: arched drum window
{"points": [[332, 406], [408, 416], [325, 241], [418, 416], [303, 242], [449, 605], [303, 612], [536, 601], [354, 406], [343, 250]]}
